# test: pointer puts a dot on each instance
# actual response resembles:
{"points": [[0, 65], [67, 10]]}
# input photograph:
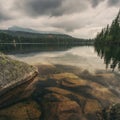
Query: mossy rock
{"points": [[111, 113], [115, 112], [13, 72]]}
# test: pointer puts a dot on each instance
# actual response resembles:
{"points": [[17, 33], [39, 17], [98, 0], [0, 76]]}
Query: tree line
{"points": [[110, 34], [21, 41]]}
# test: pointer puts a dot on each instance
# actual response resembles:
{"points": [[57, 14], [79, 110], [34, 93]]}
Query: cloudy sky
{"points": [[79, 18]]}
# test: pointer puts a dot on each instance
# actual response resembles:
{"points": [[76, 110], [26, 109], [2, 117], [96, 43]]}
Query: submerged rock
{"points": [[71, 95], [27, 110], [59, 107], [62, 93]]}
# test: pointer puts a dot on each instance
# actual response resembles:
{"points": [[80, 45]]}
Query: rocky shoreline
{"points": [[12, 75], [62, 92], [29, 77]]}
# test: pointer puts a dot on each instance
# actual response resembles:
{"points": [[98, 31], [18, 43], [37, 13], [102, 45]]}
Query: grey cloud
{"points": [[36, 8], [3, 15], [114, 2], [39, 7], [94, 3], [68, 26]]}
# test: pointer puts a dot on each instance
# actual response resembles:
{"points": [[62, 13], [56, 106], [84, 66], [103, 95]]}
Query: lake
{"points": [[84, 57], [80, 82]]}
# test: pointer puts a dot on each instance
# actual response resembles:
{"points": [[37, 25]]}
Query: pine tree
{"points": [[110, 34]]}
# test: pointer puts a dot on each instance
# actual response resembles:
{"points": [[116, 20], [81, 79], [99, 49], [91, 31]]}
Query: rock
{"points": [[58, 107], [53, 97], [92, 93], [13, 74], [114, 113], [71, 96], [28, 110], [94, 104], [111, 113]]}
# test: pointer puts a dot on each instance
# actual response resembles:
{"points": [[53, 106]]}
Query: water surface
{"points": [[84, 57]]}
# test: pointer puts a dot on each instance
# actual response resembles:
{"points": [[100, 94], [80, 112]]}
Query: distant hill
{"points": [[22, 29], [28, 34], [21, 41], [17, 28]]}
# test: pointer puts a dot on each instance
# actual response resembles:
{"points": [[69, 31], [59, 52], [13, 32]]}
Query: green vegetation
{"points": [[110, 34], [112, 113], [107, 44], [110, 54], [16, 41]]}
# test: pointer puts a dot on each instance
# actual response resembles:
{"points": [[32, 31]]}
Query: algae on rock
{"points": [[13, 72]]}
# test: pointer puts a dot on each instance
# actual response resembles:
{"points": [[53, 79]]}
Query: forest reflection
{"points": [[110, 54], [36, 47]]}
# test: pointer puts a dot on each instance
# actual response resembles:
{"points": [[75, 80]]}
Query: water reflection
{"points": [[83, 57], [110, 54], [35, 47]]}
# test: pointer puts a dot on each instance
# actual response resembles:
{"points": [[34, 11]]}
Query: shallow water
{"points": [[84, 57], [66, 79]]}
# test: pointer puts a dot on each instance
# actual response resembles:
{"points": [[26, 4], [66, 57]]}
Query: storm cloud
{"points": [[50, 7], [68, 26], [95, 2], [39, 7], [36, 8], [56, 8], [3, 14], [114, 2], [3, 17]]}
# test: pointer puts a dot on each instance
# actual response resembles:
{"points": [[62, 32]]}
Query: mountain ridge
{"points": [[30, 30]]}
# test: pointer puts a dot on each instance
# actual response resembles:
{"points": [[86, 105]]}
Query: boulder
{"points": [[27, 110], [14, 73], [59, 107]]}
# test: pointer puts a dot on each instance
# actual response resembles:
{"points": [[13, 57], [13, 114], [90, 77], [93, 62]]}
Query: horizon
{"points": [[80, 19]]}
